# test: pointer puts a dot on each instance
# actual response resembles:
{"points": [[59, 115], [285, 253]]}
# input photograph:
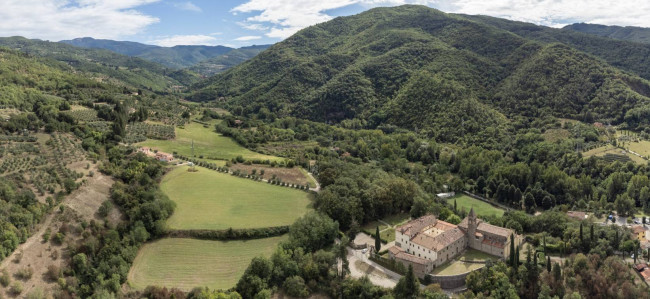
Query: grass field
{"points": [[386, 232], [207, 143], [458, 267], [553, 135], [480, 207], [189, 263], [642, 147], [212, 200]]}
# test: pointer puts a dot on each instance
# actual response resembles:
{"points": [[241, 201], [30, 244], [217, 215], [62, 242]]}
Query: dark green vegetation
{"points": [[204, 60], [450, 77], [628, 33]]}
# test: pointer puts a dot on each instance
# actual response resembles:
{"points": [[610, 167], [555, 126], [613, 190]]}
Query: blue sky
{"points": [[246, 22]]}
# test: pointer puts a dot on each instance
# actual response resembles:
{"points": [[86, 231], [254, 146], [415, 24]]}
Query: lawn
{"points": [[213, 200], [642, 147], [386, 232], [480, 207], [207, 143], [188, 263], [475, 255], [456, 267]]}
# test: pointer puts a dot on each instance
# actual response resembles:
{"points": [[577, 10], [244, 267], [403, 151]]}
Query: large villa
{"points": [[426, 242]]}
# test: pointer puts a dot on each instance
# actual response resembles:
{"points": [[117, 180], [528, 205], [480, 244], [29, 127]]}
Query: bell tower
{"points": [[471, 228]]}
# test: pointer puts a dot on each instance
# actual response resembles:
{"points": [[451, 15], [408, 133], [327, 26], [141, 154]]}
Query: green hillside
{"points": [[225, 61], [416, 68], [628, 33], [105, 66]]}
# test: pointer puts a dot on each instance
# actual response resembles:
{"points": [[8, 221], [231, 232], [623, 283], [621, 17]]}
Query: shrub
{"points": [[53, 273], [24, 273], [16, 288], [5, 279]]}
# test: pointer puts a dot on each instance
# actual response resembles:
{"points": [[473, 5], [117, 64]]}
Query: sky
{"points": [[238, 23]]}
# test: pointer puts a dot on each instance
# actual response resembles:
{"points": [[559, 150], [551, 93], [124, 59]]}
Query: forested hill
{"points": [[205, 60], [104, 65], [416, 68], [628, 33]]}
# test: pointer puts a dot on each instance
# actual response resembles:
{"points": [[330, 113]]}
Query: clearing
{"points": [[208, 144], [480, 207], [553, 135], [188, 263], [209, 199], [611, 153]]}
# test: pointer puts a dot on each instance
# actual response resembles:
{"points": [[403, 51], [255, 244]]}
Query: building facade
{"points": [[427, 242]]}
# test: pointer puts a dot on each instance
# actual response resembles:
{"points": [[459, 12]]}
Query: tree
{"points": [[455, 206], [408, 286], [295, 286], [377, 240], [512, 250]]}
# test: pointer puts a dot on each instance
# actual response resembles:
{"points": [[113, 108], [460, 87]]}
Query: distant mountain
{"points": [[445, 75], [104, 65], [628, 33], [177, 57], [223, 62]]}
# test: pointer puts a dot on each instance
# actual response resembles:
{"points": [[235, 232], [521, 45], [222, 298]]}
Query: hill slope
{"points": [[214, 59], [104, 65], [413, 66], [628, 33]]}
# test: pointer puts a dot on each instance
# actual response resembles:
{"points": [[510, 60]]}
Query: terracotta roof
{"points": [[416, 226], [638, 229], [440, 241], [646, 274], [395, 250], [640, 267], [444, 226], [493, 229], [411, 258]]}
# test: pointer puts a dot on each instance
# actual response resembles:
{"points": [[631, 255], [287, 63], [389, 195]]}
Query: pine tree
{"points": [[377, 240]]}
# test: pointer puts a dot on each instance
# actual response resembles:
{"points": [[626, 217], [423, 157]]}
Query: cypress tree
{"points": [[591, 233], [408, 286], [548, 264], [557, 272], [377, 240], [512, 250], [455, 207], [517, 258]]}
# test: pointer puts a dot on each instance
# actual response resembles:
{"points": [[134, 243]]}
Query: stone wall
{"points": [[450, 281]]}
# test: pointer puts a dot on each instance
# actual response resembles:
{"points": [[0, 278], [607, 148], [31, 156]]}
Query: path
{"points": [[361, 266], [38, 255], [317, 189]]}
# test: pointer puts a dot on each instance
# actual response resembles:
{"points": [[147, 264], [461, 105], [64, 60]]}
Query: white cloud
{"points": [[189, 6], [247, 38], [285, 17], [66, 19], [185, 40]]}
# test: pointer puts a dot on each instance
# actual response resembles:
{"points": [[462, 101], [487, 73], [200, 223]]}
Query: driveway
{"points": [[361, 266]]}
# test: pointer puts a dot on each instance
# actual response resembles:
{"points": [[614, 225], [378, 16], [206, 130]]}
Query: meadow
{"points": [[213, 200], [480, 207], [207, 144], [188, 263], [611, 153]]}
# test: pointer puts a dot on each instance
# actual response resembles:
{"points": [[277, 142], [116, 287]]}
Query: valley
{"points": [[400, 152]]}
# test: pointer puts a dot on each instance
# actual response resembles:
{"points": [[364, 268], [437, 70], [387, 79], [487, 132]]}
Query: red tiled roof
{"points": [[411, 258], [484, 227], [640, 267], [638, 229], [646, 274]]}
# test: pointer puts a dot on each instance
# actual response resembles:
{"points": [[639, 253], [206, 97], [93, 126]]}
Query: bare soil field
{"points": [[288, 175]]}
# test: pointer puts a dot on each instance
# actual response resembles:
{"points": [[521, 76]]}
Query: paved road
{"points": [[377, 274]]}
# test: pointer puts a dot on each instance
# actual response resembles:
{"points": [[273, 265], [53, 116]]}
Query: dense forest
{"points": [[628, 33], [368, 63]]}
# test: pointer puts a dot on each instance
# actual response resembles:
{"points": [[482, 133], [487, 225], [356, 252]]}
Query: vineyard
{"points": [[138, 132]]}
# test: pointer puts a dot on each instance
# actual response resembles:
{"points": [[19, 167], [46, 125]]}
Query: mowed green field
{"points": [[207, 143], [480, 207], [213, 200], [188, 263]]}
